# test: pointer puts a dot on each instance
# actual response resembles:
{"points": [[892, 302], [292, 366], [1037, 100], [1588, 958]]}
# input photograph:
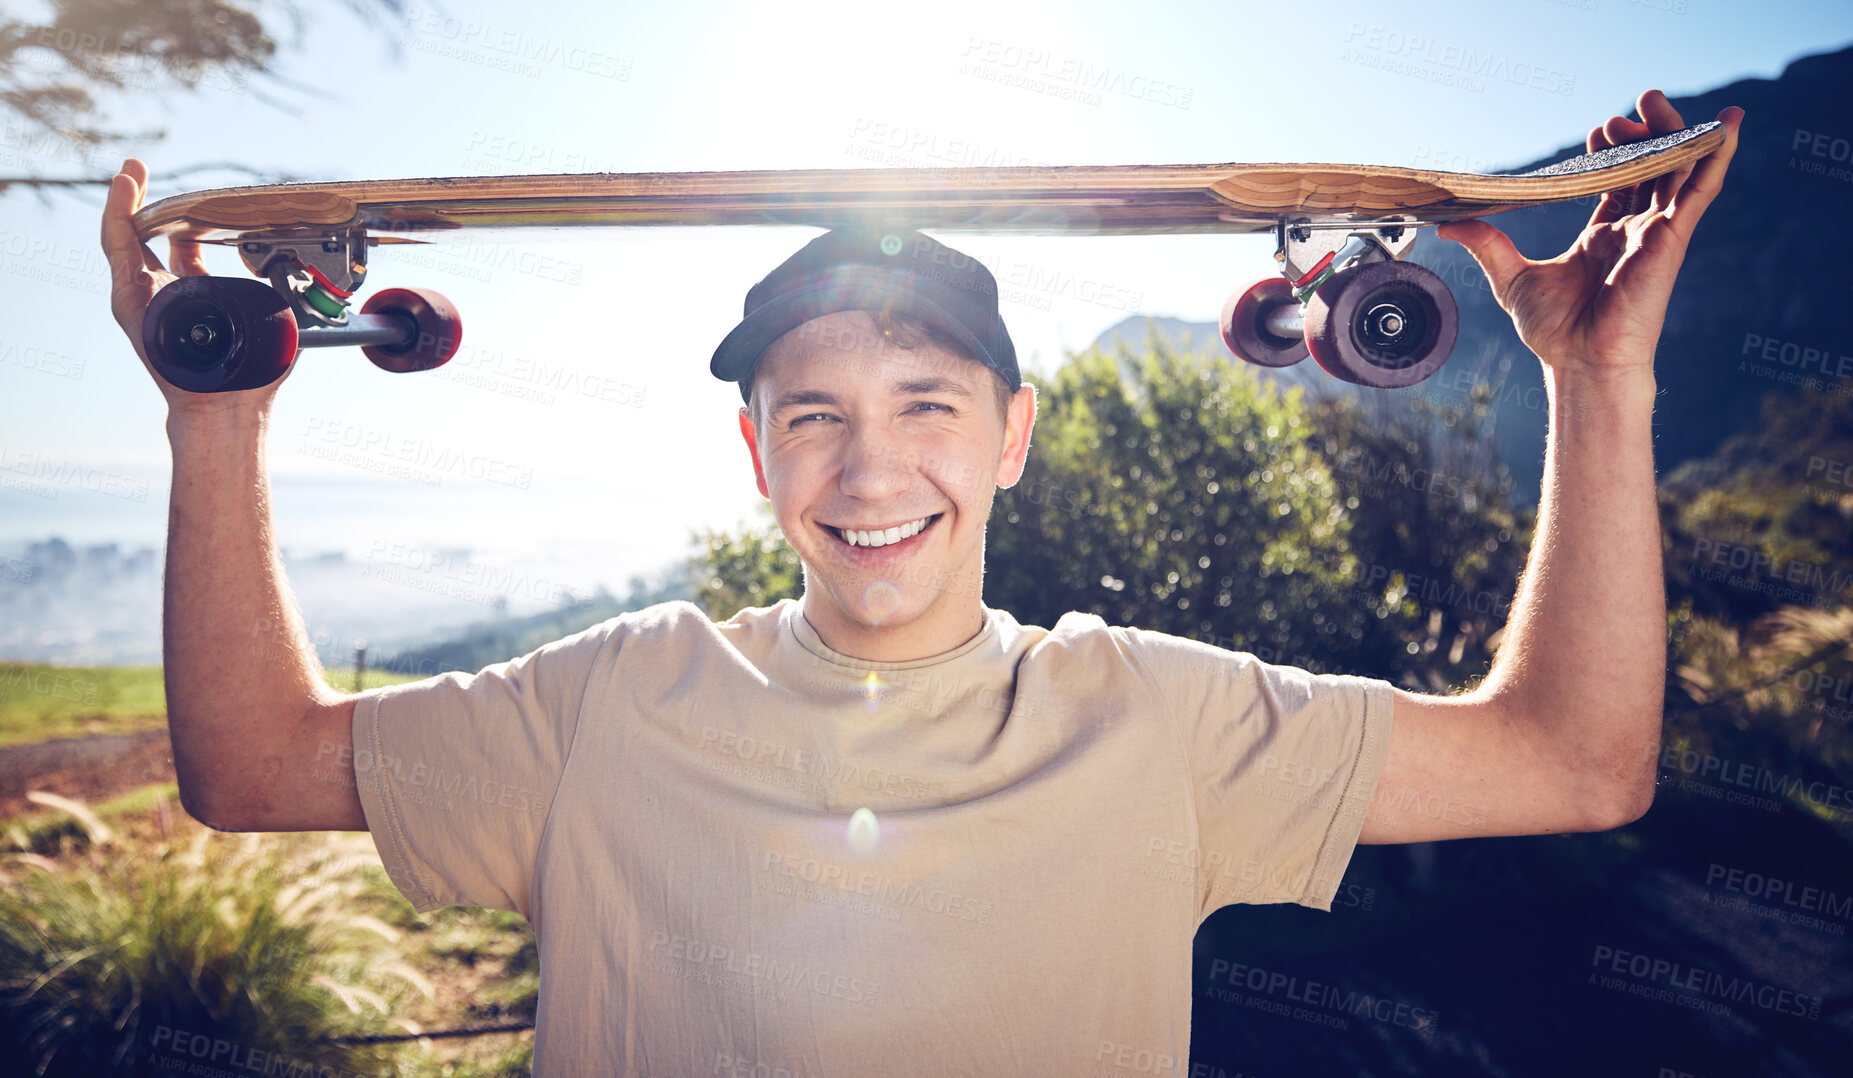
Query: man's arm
{"points": [[1563, 733], [247, 707]]}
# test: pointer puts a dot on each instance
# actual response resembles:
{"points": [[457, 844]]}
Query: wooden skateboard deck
{"points": [[1075, 199], [1344, 297]]}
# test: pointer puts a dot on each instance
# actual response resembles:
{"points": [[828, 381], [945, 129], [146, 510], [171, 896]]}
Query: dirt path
{"points": [[91, 769]]}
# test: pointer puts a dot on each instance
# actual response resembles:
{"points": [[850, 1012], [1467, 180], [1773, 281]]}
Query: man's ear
{"points": [[1019, 419], [752, 447]]}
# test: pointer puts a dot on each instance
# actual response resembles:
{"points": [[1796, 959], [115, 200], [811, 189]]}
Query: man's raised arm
{"points": [[1564, 732], [247, 707]]}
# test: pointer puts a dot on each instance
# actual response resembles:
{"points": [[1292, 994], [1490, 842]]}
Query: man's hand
{"points": [[136, 274], [1563, 733], [1601, 303], [246, 703]]}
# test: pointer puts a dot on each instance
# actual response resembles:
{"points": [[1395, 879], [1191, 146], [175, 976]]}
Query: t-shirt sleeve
{"points": [[457, 773], [1282, 765]]}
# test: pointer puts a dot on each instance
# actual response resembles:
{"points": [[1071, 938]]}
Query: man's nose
{"points": [[874, 466]]}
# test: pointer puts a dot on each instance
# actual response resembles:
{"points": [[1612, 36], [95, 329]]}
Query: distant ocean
{"points": [[81, 562]]}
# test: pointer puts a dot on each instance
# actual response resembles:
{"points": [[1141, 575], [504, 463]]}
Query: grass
{"points": [[43, 831], [127, 918], [106, 958], [39, 703], [279, 942]]}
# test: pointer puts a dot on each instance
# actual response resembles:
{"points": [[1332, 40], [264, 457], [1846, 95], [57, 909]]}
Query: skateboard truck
{"points": [[217, 334], [1345, 297]]}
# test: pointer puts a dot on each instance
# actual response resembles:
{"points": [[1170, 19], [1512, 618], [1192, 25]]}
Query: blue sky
{"points": [[631, 443]]}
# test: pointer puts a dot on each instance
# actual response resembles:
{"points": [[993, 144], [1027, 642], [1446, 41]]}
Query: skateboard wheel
{"points": [[1382, 324], [219, 334], [1245, 329], [435, 330]]}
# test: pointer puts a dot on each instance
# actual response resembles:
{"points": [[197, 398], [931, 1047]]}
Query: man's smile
{"points": [[881, 535]]}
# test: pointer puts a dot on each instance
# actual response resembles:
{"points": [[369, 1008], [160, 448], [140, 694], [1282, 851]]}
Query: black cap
{"points": [[904, 273]]}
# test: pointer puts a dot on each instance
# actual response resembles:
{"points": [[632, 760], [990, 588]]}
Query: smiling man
{"points": [[886, 828], [884, 409]]}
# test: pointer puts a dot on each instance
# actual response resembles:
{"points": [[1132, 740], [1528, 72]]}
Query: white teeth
{"points": [[879, 537]]}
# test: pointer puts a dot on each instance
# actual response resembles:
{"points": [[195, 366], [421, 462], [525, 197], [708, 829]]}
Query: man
{"points": [[885, 829]]}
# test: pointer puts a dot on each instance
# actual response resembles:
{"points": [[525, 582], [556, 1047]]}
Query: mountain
{"points": [[1761, 306]]}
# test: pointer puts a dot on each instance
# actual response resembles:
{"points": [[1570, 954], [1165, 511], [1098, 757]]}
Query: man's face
{"points": [[881, 463]]}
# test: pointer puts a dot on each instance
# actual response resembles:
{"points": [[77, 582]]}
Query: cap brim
{"points": [[852, 288]]}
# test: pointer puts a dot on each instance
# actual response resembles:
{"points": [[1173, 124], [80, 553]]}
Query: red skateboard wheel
{"points": [[219, 334], [1245, 330], [438, 330], [1382, 324]]}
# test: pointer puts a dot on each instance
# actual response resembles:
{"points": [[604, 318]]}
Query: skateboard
{"points": [[1343, 294]]}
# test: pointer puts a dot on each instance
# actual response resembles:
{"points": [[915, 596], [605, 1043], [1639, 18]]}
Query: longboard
{"points": [[1340, 232]]}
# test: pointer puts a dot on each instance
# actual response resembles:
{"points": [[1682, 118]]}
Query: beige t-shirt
{"points": [[745, 853]]}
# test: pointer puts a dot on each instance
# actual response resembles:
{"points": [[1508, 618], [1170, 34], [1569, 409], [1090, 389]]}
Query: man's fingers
{"points": [[126, 253], [1615, 204], [1707, 177], [1658, 117], [186, 258], [1620, 129], [1491, 248], [1658, 113]]}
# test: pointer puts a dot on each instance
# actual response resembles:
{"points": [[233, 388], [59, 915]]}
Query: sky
{"points": [[579, 419]]}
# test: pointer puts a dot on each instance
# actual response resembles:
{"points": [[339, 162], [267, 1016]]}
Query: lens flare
{"points": [[871, 688], [880, 600], [864, 832]]}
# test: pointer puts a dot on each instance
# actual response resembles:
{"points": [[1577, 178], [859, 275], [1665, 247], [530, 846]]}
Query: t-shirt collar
{"points": [[808, 639]]}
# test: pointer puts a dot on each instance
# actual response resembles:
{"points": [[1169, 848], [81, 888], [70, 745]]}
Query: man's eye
{"points": [[931, 405], [813, 415]]}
